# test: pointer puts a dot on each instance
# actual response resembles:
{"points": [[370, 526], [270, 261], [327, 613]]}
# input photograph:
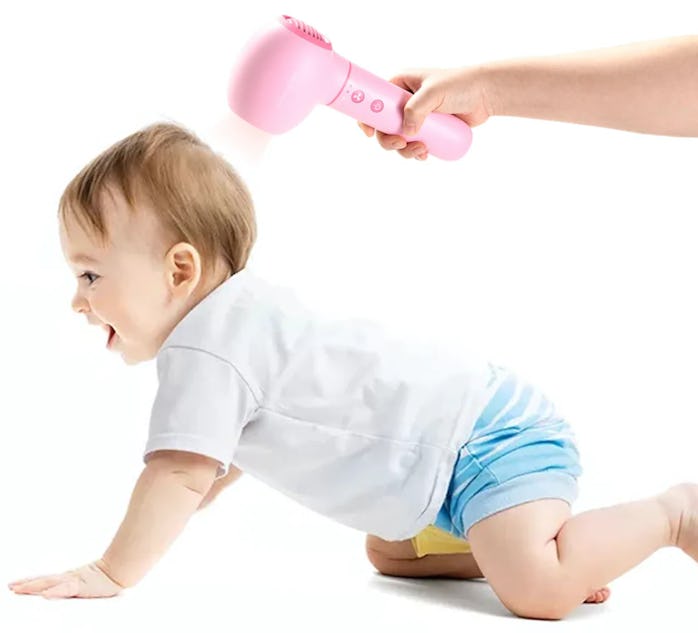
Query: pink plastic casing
{"points": [[289, 68]]}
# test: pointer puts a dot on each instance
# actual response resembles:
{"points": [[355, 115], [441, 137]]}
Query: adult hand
{"points": [[459, 91]]}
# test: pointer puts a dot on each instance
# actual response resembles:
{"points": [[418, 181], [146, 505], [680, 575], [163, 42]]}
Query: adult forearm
{"points": [[160, 506], [646, 87]]}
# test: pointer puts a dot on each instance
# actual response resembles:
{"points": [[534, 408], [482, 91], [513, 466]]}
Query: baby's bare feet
{"points": [[681, 502], [600, 595]]}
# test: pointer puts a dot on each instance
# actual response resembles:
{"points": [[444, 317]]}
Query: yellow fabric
{"points": [[433, 540]]}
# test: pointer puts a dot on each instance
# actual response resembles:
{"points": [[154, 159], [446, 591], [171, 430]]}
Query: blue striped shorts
{"points": [[519, 450]]}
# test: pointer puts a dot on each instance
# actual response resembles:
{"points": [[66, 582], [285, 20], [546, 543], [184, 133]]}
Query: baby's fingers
{"points": [[37, 585], [22, 581]]}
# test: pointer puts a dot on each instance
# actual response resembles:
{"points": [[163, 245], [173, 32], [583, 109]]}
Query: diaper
{"points": [[434, 540]]}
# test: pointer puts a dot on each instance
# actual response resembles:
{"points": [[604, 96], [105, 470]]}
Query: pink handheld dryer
{"points": [[289, 68]]}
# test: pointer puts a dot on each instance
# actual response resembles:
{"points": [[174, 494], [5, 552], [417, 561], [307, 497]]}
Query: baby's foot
{"points": [[600, 595], [681, 502]]}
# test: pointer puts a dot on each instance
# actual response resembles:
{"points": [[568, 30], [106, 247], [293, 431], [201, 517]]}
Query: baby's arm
{"points": [[168, 492], [221, 484], [645, 87]]}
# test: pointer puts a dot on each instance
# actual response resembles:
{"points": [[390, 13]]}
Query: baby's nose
{"points": [[79, 304]]}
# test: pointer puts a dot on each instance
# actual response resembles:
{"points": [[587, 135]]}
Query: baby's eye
{"points": [[91, 277]]}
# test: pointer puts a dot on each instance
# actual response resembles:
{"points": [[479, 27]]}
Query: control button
{"points": [[376, 105], [357, 96]]}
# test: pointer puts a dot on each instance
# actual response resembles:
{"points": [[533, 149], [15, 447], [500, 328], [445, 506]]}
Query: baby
{"points": [[391, 439]]}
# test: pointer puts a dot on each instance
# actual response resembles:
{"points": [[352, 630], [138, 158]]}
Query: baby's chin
{"points": [[137, 352], [136, 359]]}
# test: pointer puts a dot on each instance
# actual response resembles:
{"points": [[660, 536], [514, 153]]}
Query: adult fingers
{"points": [[418, 107], [366, 129]]}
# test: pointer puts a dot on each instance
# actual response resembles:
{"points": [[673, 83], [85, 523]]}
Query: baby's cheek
{"points": [[145, 304]]}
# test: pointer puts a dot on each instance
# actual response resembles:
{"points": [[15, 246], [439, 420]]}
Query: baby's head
{"points": [[149, 228]]}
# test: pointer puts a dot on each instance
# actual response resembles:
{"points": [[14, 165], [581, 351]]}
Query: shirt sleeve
{"points": [[201, 406]]}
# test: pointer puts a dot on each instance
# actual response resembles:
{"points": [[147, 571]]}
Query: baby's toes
{"points": [[601, 595]]}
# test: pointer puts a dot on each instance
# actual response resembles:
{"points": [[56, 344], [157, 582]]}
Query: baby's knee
{"points": [[540, 609], [377, 557], [540, 599], [380, 562], [388, 557]]}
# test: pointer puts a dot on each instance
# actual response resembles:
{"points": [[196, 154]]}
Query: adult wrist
{"points": [[495, 81]]}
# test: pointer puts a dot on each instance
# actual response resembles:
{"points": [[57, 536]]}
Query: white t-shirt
{"points": [[357, 426]]}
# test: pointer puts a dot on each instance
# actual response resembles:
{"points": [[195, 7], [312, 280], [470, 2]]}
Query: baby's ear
{"points": [[183, 267]]}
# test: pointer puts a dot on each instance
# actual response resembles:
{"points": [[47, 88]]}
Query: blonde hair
{"points": [[196, 195]]}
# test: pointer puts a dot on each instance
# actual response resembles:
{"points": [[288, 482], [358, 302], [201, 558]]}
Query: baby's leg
{"points": [[398, 558], [542, 562]]}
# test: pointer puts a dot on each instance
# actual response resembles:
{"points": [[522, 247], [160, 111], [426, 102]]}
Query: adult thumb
{"points": [[418, 106]]}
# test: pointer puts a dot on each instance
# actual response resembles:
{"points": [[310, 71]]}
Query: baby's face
{"points": [[122, 286]]}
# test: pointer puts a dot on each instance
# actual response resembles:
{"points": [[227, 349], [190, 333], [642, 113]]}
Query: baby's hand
{"points": [[85, 582], [459, 91]]}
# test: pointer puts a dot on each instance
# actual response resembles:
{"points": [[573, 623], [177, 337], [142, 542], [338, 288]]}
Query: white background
{"points": [[563, 251]]}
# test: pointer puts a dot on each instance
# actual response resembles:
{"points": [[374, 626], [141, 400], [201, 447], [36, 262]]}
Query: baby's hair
{"points": [[196, 194]]}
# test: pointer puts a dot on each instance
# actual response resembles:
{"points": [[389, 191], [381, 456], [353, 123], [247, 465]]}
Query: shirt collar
{"points": [[223, 294]]}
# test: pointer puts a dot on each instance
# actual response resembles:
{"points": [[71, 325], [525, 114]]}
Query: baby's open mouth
{"points": [[110, 338]]}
